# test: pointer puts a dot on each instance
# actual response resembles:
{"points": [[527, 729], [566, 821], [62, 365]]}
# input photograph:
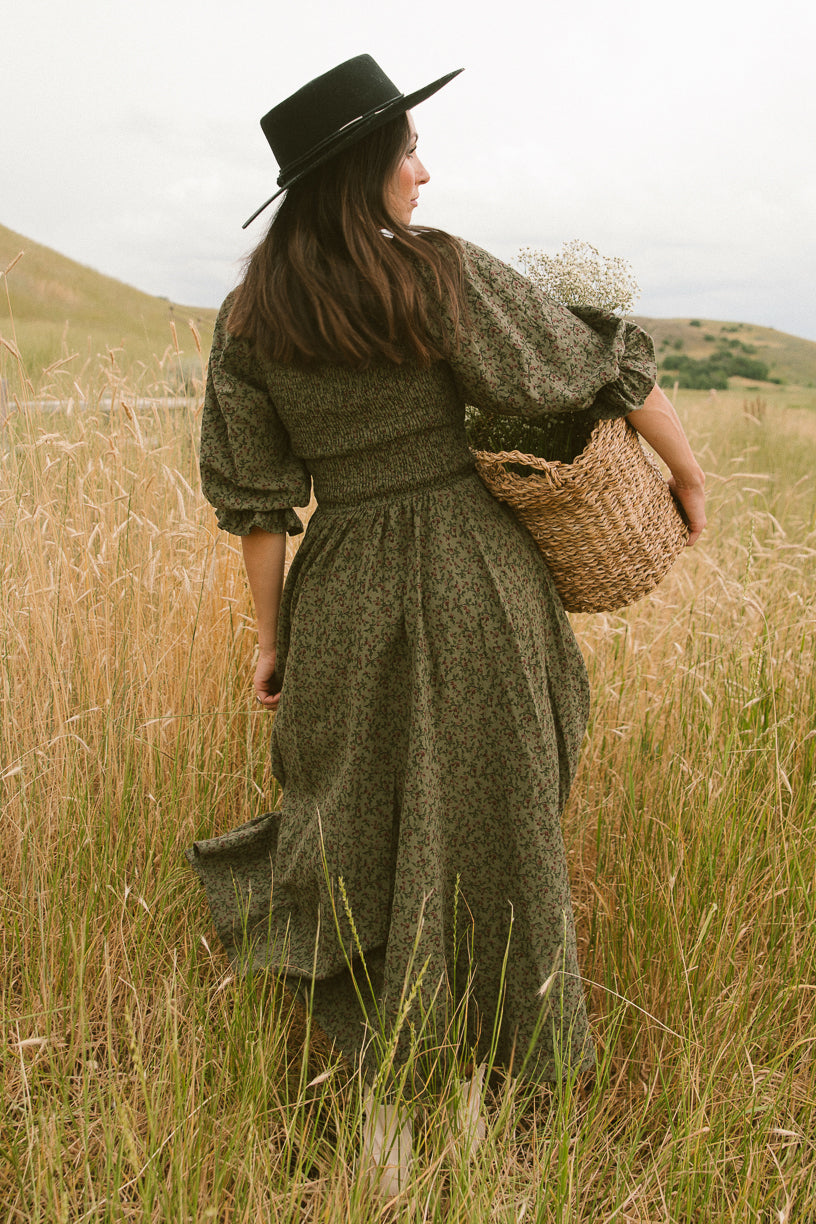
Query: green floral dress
{"points": [[434, 698]]}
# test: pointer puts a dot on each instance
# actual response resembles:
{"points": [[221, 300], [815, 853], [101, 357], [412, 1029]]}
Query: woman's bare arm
{"points": [[659, 425], [264, 557]]}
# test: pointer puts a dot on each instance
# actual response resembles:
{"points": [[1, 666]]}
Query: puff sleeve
{"points": [[248, 471], [524, 354]]}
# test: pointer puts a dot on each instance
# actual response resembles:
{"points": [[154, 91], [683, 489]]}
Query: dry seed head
{"points": [[196, 336], [12, 348], [14, 261]]}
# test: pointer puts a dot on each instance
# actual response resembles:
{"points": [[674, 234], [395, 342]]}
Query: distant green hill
{"points": [[60, 307], [789, 359]]}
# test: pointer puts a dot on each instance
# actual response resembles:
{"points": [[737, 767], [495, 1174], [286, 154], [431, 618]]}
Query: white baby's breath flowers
{"points": [[578, 275]]}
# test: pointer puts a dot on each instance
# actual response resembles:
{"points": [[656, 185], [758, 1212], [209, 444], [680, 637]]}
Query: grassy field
{"points": [[57, 313], [142, 1082]]}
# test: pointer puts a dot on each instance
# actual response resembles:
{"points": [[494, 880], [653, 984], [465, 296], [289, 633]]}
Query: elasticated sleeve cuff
{"points": [[241, 522]]}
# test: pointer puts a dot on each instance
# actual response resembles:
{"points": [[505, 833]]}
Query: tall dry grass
{"points": [[141, 1082]]}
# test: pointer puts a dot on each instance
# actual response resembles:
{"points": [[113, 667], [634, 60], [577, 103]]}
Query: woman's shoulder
{"points": [[471, 254], [482, 267], [483, 274], [223, 315], [491, 283], [234, 356]]}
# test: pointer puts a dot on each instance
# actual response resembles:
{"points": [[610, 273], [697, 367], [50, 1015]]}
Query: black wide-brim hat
{"points": [[331, 113]]}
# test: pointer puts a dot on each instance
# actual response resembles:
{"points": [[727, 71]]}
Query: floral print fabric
{"points": [[434, 698]]}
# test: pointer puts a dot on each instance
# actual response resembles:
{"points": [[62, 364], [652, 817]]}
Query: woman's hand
{"points": [[692, 503], [659, 424], [266, 685]]}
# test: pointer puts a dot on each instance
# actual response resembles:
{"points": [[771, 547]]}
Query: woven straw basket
{"points": [[607, 525]]}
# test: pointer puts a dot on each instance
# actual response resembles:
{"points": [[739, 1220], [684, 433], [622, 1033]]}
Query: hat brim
{"points": [[352, 133]]}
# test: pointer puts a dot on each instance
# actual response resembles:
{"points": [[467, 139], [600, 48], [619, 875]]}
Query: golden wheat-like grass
{"points": [[141, 1082]]}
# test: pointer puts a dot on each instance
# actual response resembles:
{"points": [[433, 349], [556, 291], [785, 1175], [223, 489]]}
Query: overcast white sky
{"points": [[680, 136]]}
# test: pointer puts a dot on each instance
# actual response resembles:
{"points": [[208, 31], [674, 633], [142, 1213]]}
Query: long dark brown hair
{"points": [[326, 285]]}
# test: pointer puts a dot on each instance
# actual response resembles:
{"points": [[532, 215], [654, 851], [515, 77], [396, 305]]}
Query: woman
{"points": [[431, 698]]}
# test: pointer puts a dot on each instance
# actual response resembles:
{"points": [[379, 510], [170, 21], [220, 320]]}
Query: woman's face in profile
{"points": [[402, 193]]}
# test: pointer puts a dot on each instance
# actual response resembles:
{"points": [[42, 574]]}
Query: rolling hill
{"points": [[61, 307], [790, 359]]}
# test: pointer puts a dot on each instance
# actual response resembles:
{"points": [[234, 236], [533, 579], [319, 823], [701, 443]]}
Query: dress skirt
{"points": [[434, 700]]}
